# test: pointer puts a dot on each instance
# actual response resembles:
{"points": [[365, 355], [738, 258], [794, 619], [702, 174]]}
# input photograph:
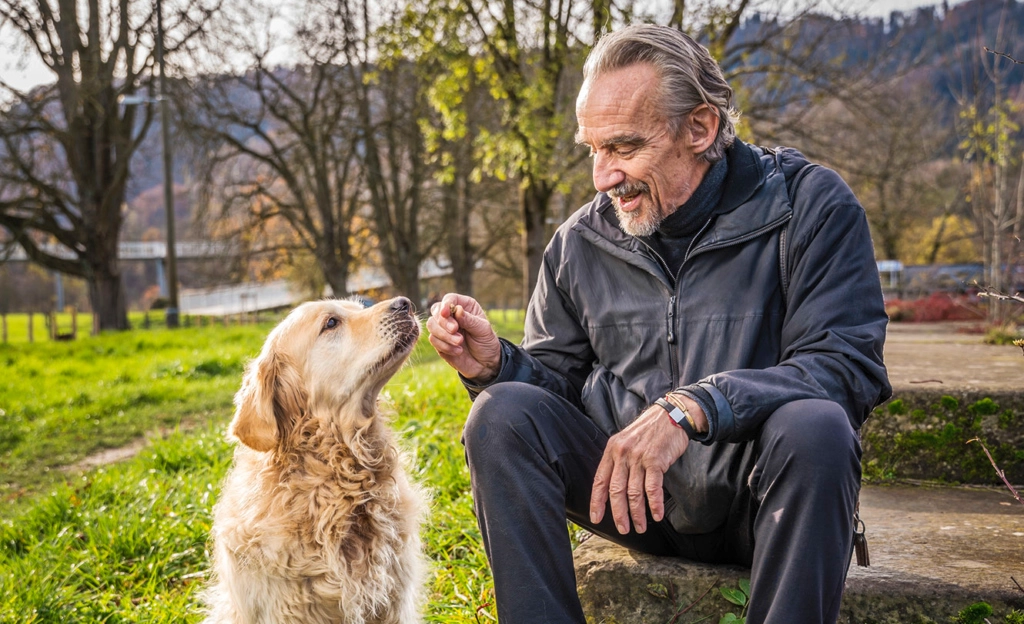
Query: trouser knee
{"points": [[813, 437], [496, 420]]}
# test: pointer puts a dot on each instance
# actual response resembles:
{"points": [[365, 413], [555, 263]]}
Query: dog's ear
{"points": [[270, 400]]}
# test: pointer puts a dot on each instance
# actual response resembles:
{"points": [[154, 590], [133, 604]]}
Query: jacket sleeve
{"points": [[556, 352], [833, 329]]}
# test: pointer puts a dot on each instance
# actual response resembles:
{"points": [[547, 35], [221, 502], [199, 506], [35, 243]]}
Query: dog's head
{"points": [[325, 356]]}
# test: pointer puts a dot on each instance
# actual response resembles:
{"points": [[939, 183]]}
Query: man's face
{"points": [[646, 170]]}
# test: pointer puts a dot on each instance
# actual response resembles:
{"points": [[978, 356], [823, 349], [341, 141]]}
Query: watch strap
{"points": [[679, 415]]}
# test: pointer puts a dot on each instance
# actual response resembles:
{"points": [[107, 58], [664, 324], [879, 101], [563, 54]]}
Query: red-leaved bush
{"points": [[935, 307]]}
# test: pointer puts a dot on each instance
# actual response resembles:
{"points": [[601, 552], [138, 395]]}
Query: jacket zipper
{"points": [[670, 316], [672, 355], [677, 279]]}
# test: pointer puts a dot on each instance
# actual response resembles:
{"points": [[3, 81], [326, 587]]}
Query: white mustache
{"points": [[626, 189]]}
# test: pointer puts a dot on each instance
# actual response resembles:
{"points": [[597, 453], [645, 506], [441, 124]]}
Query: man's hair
{"points": [[689, 75]]}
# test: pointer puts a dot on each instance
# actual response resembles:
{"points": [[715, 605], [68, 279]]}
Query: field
{"points": [[17, 325], [126, 542]]}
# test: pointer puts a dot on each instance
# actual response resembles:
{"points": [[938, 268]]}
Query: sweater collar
{"points": [[695, 212]]}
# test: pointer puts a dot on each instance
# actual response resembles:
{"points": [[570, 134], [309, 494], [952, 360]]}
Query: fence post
{"points": [[52, 321], [4, 315], [30, 327], [74, 321]]}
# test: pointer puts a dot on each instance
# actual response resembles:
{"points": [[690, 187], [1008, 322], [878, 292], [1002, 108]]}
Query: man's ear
{"points": [[703, 123], [270, 400]]}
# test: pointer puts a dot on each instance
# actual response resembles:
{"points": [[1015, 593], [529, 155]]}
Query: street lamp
{"points": [[165, 135]]}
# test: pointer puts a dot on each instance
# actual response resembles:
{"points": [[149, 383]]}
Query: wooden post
{"points": [[30, 327], [52, 321], [74, 321], [4, 315]]}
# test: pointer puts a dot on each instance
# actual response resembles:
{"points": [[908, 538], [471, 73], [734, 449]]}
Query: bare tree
{"points": [[280, 143], [390, 101], [883, 143], [65, 148], [989, 123]]}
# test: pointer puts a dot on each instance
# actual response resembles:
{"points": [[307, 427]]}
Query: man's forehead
{"points": [[617, 107]]}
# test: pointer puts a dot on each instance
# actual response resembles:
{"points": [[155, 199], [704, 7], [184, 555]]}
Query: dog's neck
{"points": [[352, 446]]}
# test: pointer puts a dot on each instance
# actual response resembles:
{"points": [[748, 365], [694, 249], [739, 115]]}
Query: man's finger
{"points": [[655, 495], [637, 499], [599, 494], [444, 347], [617, 486]]}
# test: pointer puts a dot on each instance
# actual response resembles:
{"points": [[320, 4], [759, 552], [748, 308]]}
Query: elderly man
{"points": [[704, 342]]}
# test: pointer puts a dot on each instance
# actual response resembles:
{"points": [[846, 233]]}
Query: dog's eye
{"points": [[330, 324]]}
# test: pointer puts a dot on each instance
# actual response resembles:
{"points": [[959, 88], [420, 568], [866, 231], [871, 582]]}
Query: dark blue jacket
{"points": [[777, 300]]}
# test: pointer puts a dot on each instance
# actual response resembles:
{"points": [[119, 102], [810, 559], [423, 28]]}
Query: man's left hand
{"points": [[633, 467]]}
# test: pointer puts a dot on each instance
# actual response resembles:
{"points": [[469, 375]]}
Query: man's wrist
{"points": [[698, 418], [679, 416], [485, 376]]}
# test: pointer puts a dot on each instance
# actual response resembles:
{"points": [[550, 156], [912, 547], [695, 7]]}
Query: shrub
{"points": [[1002, 334], [935, 307]]}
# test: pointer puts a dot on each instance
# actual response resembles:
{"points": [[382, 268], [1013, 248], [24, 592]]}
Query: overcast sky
{"points": [[27, 72]]}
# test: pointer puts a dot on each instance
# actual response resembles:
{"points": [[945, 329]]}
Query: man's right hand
{"points": [[463, 337]]}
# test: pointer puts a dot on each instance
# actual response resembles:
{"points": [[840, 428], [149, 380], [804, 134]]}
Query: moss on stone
{"points": [[922, 435]]}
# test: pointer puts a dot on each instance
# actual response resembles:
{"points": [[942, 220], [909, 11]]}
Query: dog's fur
{"points": [[317, 521]]}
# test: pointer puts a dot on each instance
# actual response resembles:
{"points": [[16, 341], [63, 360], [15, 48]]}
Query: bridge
{"points": [[222, 300], [135, 251]]}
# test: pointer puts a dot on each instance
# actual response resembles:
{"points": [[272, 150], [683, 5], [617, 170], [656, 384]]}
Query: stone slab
{"points": [[934, 551], [949, 356]]}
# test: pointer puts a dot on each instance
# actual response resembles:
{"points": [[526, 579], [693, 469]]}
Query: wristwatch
{"points": [[680, 416]]}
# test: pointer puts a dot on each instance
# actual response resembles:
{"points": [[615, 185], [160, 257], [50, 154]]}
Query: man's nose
{"points": [[606, 174]]}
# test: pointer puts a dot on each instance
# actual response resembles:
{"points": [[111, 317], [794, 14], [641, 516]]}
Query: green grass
{"points": [[18, 324], [127, 542], [61, 401]]}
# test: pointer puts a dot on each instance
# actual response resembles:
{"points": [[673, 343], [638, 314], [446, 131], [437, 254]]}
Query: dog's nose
{"points": [[401, 305]]}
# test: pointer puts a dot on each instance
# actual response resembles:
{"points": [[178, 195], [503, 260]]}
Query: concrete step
{"points": [[934, 551]]}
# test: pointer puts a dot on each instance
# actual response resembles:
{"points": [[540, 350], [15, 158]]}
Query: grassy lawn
{"points": [[127, 542], [18, 325]]}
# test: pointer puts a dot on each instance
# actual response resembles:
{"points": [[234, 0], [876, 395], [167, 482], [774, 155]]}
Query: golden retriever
{"points": [[317, 520]]}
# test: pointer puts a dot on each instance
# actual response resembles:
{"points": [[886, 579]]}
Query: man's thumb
{"points": [[472, 323]]}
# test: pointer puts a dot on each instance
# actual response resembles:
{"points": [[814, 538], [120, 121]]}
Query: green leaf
{"points": [[734, 596], [658, 590], [745, 586], [729, 618]]}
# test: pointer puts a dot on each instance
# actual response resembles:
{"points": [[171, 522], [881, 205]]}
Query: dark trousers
{"points": [[532, 458]]}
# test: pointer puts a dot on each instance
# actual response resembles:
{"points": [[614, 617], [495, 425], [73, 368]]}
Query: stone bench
{"points": [[934, 551]]}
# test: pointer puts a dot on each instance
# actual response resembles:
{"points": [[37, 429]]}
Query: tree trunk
{"points": [[107, 297], [406, 281], [335, 270], [460, 249], [534, 199]]}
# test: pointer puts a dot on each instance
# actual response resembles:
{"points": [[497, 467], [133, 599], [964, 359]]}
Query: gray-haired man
{"points": [[712, 292]]}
